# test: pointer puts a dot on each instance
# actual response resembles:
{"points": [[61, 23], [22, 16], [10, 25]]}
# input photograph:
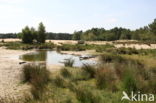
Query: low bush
{"points": [[70, 47], [60, 82], [129, 82], [90, 69], [85, 94], [38, 77], [65, 73], [128, 51], [102, 48], [108, 58], [106, 79]]}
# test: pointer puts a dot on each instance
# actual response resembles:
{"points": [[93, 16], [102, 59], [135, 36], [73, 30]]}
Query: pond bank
{"points": [[11, 74]]}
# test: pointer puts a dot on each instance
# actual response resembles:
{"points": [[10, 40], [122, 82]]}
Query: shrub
{"points": [[60, 82], [129, 82], [80, 75], [38, 77], [65, 73], [128, 51], [108, 58], [101, 48], [85, 94], [89, 69], [70, 47], [46, 46], [69, 62], [106, 79]]}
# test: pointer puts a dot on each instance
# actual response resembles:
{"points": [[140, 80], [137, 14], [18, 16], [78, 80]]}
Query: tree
{"points": [[34, 33], [126, 34], [153, 27], [27, 36], [77, 35], [41, 34]]}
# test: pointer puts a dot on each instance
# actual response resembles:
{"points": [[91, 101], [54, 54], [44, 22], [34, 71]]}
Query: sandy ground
{"points": [[11, 85], [136, 46], [11, 74]]}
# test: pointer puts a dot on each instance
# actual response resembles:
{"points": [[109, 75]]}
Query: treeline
{"points": [[147, 33], [49, 35], [8, 35], [58, 36]]}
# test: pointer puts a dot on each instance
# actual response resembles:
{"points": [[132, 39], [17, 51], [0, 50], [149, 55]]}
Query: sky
{"points": [[73, 15]]}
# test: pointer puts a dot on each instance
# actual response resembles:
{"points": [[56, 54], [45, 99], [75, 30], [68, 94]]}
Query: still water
{"points": [[53, 57]]}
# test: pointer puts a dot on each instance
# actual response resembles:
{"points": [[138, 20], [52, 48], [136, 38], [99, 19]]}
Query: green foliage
{"points": [[129, 82], [153, 27], [77, 35], [108, 58], [86, 94], [27, 36], [19, 45], [65, 73], [70, 47], [90, 70], [41, 34], [38, 77], [128, 51], [105, 78], [60, 82], [102, 48]]}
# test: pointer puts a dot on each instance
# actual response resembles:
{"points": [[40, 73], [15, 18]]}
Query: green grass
{"points": [[38, 77], [90, 69], [19, 45], [82, 47]]}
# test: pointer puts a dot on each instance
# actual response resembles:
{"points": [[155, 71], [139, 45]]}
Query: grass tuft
{"points": [[69, 62], [38, 77]]}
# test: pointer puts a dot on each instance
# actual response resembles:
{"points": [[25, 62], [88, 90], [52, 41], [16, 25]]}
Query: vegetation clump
{"points": [[38, 77], [69, 62], [30, 35]]}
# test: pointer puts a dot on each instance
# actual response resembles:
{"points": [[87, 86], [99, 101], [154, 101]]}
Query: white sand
{"points": [[11, 74]]}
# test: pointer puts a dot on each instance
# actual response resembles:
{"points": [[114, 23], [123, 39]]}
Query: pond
{"points": [[56, 58]]}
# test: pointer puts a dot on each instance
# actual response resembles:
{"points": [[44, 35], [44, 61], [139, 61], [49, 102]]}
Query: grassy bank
{"points": [[101, 83]]}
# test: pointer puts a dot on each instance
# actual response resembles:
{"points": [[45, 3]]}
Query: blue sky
{"points": [[71, 15]]}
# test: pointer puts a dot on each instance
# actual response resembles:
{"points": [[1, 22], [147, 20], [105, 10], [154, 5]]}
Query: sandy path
{"points": [[11, 73]]}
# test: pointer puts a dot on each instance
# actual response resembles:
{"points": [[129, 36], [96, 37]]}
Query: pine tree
{"points": [[41, 35]]}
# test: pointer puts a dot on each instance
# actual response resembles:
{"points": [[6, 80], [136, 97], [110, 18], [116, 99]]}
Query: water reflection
{"points": [[53, 57], [35, 56]]}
